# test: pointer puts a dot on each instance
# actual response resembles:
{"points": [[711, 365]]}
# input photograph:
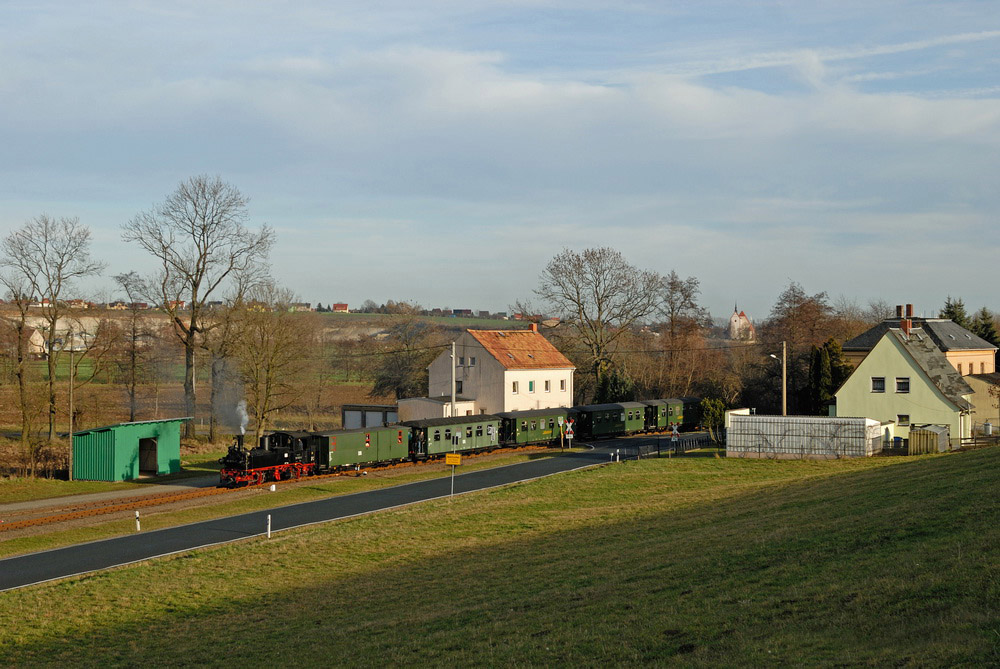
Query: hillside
{"points": [[691, 561]]}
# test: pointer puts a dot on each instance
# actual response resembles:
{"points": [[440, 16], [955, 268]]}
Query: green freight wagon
{"points": [[606, 420], [125, 451], [535, 426], [434, 436], [345, 448]]}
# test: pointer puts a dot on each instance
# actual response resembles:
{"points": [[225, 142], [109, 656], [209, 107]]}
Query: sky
{"points": [[443, 152]]}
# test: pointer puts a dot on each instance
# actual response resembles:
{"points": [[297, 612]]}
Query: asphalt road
{"points": [[20, 571], [34, 568]]}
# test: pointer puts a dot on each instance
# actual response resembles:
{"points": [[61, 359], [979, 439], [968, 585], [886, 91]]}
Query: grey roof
{"points": [[946, 334], [929, 357]]}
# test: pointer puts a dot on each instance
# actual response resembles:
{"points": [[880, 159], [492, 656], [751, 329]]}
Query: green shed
{"points": [[124, 451]]}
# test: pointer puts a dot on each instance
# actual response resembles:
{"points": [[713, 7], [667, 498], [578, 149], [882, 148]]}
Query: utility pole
{"points": [[70, 338], [784, 378], [453, 359]]}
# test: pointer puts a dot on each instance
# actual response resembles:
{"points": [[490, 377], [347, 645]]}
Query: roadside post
{"points": [[453, 459], [569, 432], [562, 433], [138, 528], [675, 438]]}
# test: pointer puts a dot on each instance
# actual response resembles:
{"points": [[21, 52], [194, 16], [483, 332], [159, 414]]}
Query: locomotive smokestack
{"points": [[239, 440]]}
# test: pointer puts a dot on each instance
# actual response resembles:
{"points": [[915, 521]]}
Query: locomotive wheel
{"points": [[258, 478]]}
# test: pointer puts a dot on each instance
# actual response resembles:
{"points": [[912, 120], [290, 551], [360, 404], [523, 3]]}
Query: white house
{"points": [[495, 371]]}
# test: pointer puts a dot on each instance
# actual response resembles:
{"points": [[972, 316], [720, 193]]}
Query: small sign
{"points": [[453, 458]]}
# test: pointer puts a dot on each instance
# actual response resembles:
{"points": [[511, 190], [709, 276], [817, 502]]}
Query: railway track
{"points": [[21, 519]]}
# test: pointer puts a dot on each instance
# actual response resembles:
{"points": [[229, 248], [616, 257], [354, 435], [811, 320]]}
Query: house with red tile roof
{"points": [[495, 371]]}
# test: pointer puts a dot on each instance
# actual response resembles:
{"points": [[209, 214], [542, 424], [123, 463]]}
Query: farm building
{"points": [[125, 451], [809, 437]]}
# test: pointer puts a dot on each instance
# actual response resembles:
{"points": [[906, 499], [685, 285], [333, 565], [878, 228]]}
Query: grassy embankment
{"points": [[243, 501], [694, 561]]}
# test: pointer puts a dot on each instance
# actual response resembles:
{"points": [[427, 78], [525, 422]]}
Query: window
{"points": [[982, 368], [479, 430], [515, 387], [468, 432], [447, 434], [902, 384], [524, 425], [903, 419], [437, 435], [458, 387], [461, 361], [531, 386], [562, 385], [548, 386], [534, 425], [878, 384], [960, 368], [472, 361]]}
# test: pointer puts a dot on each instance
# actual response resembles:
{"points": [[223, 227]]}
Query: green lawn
{"points": [[691, 561]]}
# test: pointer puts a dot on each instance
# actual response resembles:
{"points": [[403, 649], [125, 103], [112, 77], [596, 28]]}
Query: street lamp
{"points": [[784, 378]]}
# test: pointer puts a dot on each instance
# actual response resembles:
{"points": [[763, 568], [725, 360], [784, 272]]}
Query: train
{"points": [[284, 455]]}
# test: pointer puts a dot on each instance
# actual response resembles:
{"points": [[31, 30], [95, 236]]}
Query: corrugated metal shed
{"points": [[814, 437], [124, 451]]}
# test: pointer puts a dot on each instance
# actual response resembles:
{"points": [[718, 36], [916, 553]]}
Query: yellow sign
{"points": [[453, 458]]}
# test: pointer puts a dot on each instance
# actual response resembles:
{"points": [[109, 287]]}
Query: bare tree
{"points": [[49, 255], [135, 339], [600, 296], [199, 239], [274, 347], [20, 332]]}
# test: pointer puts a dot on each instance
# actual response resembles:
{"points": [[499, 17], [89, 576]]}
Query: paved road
{"points": [[17, 572], [58, 563]]}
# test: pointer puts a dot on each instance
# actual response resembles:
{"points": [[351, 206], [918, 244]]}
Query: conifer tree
{"points": [[984, 326], [955, 310]]}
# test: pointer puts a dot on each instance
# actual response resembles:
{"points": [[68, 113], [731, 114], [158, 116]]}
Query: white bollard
{"points": [[137, 527], [273, 487], [268, 526]]}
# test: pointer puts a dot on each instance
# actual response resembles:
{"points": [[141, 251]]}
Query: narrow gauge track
{"points": [[76, 510]]}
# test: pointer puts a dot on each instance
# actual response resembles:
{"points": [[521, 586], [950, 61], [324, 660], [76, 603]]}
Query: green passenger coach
{"points": [[537, 426], [434, 436]]}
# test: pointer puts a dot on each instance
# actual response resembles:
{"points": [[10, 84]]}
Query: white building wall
{"points": [[537, 398]]}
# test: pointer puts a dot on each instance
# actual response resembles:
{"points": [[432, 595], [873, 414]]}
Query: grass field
{"points": [[687, 562]]}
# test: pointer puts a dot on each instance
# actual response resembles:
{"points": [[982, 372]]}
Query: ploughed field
{"points": [[697, 561]]}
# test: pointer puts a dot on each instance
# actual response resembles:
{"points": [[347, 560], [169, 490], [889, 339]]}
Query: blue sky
{"points": [[442, 152]]}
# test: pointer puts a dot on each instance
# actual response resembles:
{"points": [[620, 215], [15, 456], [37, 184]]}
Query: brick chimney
{"points": [[534, 327], [909, 311], [899, 312]]}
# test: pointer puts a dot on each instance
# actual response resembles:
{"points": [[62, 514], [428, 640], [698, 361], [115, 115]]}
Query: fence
{"points": [[663, 446]]}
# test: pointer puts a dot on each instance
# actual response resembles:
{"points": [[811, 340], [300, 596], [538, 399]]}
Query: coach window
{"points": [[524, 425], [447, 434], [534, 425], [437, 435], [468, 432], [479, 430], [552, 423], [902, 384]]}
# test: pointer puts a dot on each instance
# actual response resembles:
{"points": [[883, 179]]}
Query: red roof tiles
{"points": [[521, 349]]}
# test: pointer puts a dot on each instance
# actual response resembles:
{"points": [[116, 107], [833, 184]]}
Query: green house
{"points": [[125, 451]]}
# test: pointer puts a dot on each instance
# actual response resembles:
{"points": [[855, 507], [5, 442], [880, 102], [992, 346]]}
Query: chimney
{"points": [[534, 327], [909, 311], [899, 311], [906, 324]]}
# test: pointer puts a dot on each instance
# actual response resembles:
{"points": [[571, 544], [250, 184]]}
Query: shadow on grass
{"points": [[890, 565]]}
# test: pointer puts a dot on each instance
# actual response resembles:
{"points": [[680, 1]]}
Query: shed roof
{"points": [[521, 349], [137, 422]]}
